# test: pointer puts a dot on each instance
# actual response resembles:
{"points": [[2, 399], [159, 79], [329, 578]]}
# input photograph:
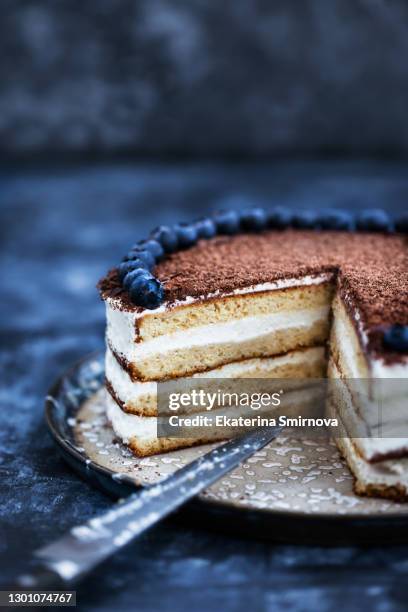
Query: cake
{"points": [[279, 295]]}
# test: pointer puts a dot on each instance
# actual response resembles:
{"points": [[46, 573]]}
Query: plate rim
{"points": [[60, 440]]}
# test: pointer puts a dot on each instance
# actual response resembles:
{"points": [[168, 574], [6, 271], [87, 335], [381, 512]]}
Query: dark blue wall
{"points": [[201, 77]]}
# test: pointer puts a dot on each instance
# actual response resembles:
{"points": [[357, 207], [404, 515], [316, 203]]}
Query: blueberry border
{"points": [[147, 291]]}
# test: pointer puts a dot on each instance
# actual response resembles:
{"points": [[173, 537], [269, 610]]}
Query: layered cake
{"points": [[278, 295]]}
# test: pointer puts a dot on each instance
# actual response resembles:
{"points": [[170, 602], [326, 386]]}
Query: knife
{"points": [[68, 560]]}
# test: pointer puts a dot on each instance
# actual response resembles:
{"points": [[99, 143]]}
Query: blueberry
{"points": [[142, 263], [146, 291], [396, 338], [142, 255], [153, 246], [130, 277], [167, 238], [128, 266], [186, 235], [227, 222], [401, 223], [253, 219], [375, 220], [280, 217], [205, 228], [334, 219], [305, 219]]}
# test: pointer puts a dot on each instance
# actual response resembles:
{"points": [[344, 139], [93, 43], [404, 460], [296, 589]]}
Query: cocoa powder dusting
{"points": [[371, 269]]}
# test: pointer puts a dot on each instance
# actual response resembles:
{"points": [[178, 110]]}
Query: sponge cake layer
{"points": [[141, 397], [259, 325], [140, 433]]}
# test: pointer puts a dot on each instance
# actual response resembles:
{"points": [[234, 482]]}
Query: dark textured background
{"points": [[61, 228], [175, 79], [204, 78]]}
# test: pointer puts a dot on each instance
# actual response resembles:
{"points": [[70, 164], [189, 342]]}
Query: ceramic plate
{"points": [[298, 490]]}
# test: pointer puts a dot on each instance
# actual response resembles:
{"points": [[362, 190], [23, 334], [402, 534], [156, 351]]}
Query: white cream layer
{"points": [[384, 381], [387, 473], [127, 426], [378, 368], [390, 415], [128, 390], [120, 332], [125, 388]]}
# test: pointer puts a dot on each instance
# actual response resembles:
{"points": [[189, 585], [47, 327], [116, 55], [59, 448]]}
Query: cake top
{"points": [[371, 271], [365, 252]]}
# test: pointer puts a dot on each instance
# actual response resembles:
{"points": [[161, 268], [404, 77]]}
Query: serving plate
{"points": [[293, 490]]}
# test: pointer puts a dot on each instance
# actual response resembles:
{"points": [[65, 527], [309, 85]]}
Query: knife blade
{"points": [[70, 558]]}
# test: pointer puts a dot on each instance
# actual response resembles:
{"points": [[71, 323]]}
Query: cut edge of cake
{"points": [[148, 346]]}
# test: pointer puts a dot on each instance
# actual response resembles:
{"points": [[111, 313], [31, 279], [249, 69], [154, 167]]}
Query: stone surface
{"points": [[195, 77], [61, 228]]}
